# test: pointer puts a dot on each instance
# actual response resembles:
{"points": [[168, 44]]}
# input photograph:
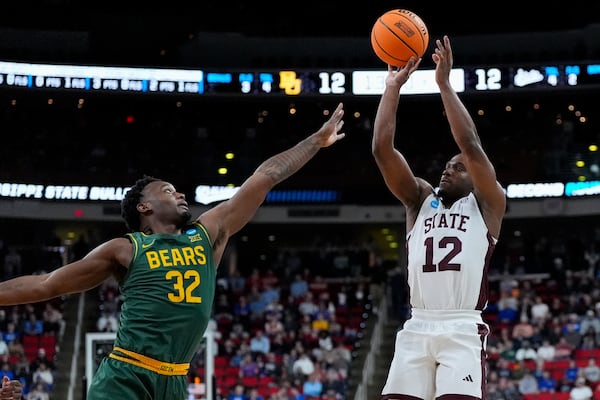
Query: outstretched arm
{"points": [[396, 172], [87, 273], [488, 191], [231, 215]]}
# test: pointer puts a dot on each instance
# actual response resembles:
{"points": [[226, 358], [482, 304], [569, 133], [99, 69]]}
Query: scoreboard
{"points": [[293, 82]]}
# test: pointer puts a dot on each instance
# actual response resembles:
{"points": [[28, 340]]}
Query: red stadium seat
{"points": [[587, 354], [221, 362], [250, 381]]}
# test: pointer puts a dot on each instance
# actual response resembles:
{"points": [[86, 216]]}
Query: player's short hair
{"points": [[132, 197]]}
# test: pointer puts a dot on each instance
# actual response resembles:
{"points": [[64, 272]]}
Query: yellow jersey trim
{"points": [[160, 367]]}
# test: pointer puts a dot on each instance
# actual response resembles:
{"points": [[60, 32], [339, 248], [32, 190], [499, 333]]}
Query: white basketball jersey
{"points": [[449, 250]]}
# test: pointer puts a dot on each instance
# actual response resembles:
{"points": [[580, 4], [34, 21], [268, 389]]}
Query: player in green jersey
{"points": [[166, 268]]}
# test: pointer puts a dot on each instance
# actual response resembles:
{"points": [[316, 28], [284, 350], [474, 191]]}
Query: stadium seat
{"points": [[250, 381], [587, 354]]}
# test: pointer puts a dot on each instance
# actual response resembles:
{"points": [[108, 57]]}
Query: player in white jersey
{"points": [[451, 234]]}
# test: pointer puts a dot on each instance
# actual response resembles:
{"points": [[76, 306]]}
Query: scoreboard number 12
{"points": [[488, 79], [332, 83]]}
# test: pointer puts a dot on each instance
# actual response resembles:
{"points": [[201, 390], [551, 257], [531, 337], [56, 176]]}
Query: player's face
{"points": [[163, 201], [455, 181]]}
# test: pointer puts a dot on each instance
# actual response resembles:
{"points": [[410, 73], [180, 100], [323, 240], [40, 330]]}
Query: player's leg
{"points": [[461, 373], [118, 380], [412, 370], [171, 387]]}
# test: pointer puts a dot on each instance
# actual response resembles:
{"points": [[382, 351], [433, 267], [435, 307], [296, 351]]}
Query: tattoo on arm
{"points": [[283, 165]]}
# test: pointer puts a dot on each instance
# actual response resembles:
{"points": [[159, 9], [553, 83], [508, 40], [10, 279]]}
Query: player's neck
{"points": [[158, 228]]}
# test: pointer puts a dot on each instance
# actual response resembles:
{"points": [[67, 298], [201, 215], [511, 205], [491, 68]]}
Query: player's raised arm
{"points": [[485, 185], [231, 215]]}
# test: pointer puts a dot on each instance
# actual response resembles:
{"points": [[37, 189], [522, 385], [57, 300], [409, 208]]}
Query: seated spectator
{"points": [[237, 283], [111, 285], [22, 368], [298, 287], [563, 350], [588, 342], [271, 367], [279, 345], [523, 330], [111, 303], [274, 309], [508, 389], [526, 352], [239, 355], [508, 308], [538, 372], [334, 381], [227, 348], [518, 370], [571, 333], [54, 323], [360, 294], [590, 325], [238, 393], [257, 304], [273, 326], [312, 386], [4, 348], [15, 348], [11, 332], [107, 322], [563, 385], [325, 342], [339, 358], [581, 391], [528, 384], [254, 394], [547, 383], [572, 372], [540, 311], [7, 371], [248, 367], [269, 295], [242, 312], [591, 372], [320, 322], [37, 392], [41, 358], [33, 326], [508, 352], [303, 366], [331, 394], [308, 306], [43, 374], [308, 335], [546, 351], [260, 344]]}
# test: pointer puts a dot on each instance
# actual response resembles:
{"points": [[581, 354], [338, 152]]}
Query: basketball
{"points": [[398, 35]]}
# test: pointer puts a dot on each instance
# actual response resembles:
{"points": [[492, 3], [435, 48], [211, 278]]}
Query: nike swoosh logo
{"points": [[146, 245]]}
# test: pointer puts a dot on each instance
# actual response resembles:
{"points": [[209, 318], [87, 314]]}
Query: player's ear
{"points": [[143, 207]]}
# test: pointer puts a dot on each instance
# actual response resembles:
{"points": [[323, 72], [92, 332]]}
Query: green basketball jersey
{"points": [[168, 294]]}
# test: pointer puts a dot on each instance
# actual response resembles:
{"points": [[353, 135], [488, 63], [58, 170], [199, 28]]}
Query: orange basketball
{"points": [[398, 35]]}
